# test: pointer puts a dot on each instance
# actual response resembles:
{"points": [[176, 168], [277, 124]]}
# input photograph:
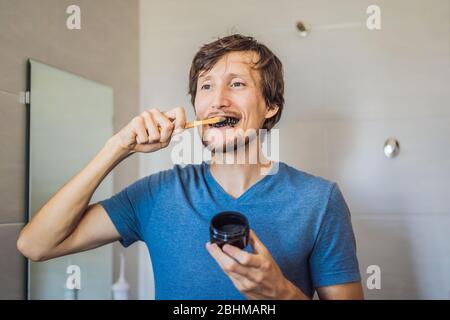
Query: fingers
{"points": [[251, 273], [228, 264], [164, 123], [151, 130], [253, 262], [243, 277], [139, 129], [241, 256], [178, 115], [152, 127]]}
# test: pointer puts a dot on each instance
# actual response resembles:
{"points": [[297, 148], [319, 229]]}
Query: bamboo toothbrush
{"points": [[203, 122]]}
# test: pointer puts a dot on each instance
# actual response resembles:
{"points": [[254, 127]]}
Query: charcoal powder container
{"points": [[229, 227]]}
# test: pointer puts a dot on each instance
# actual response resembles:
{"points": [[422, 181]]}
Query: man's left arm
{"points": [[346, 291]]}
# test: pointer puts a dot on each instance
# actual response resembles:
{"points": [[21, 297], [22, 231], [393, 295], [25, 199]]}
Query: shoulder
{"points": [[321, 195], [307, 183]]}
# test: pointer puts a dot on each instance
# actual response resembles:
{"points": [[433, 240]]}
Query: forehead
{"points": [[240, 62]]}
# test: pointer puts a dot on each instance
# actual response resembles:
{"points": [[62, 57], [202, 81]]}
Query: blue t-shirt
{"points": [[302, 219]]}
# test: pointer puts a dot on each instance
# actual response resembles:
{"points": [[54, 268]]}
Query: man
{"points": [[301, 237]]}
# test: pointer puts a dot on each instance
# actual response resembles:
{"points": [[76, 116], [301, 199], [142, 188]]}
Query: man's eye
{"points": [[206, 87], [238, 84]]}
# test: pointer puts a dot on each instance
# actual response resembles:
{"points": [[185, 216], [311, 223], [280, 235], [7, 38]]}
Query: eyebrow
{"points": [[237, 75]]}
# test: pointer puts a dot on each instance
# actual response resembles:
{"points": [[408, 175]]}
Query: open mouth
{"points": [[228, 122]]}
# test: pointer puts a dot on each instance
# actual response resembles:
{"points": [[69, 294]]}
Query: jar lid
{"points": [[229, 224]]}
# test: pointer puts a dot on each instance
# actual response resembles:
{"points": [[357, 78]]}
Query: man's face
{"points": [[231, 89]]}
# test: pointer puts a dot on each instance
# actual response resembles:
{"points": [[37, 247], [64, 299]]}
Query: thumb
{"points": [[256, 244]]}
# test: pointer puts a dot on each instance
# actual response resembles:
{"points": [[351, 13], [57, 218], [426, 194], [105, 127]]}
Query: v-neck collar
{"points": [[220, 191]]}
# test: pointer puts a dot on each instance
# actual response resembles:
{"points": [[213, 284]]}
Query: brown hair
{"points": [[269, 66]]}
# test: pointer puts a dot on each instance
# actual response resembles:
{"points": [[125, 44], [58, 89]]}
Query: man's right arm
{"points": [[67, 223]]}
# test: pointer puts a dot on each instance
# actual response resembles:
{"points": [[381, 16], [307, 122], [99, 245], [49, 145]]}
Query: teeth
{"points": [[229, 121]]}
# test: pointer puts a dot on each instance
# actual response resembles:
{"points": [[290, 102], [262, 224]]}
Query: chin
{"points": [[222, 140], [230, 145]]}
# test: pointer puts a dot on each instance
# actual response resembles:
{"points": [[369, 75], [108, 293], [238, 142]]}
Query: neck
{"points": [[236, 178]]}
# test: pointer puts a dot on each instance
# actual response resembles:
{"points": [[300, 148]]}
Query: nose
{"points": [[220, 99]]}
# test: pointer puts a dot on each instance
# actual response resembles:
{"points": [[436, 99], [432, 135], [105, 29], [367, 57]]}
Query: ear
{"points": [[271, 111]]}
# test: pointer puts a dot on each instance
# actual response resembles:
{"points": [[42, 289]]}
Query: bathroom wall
{"points": [[104, 50], [348, 89]]}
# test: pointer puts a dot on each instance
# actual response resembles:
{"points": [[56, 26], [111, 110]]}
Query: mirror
{"points": [[69, 120]]}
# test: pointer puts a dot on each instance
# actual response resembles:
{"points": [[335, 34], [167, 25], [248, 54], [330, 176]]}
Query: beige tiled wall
{"points": [[12, 159], [104, 50], [12, 263]]}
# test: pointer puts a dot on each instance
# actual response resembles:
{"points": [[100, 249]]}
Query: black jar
{"points": [[229, 227]]}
